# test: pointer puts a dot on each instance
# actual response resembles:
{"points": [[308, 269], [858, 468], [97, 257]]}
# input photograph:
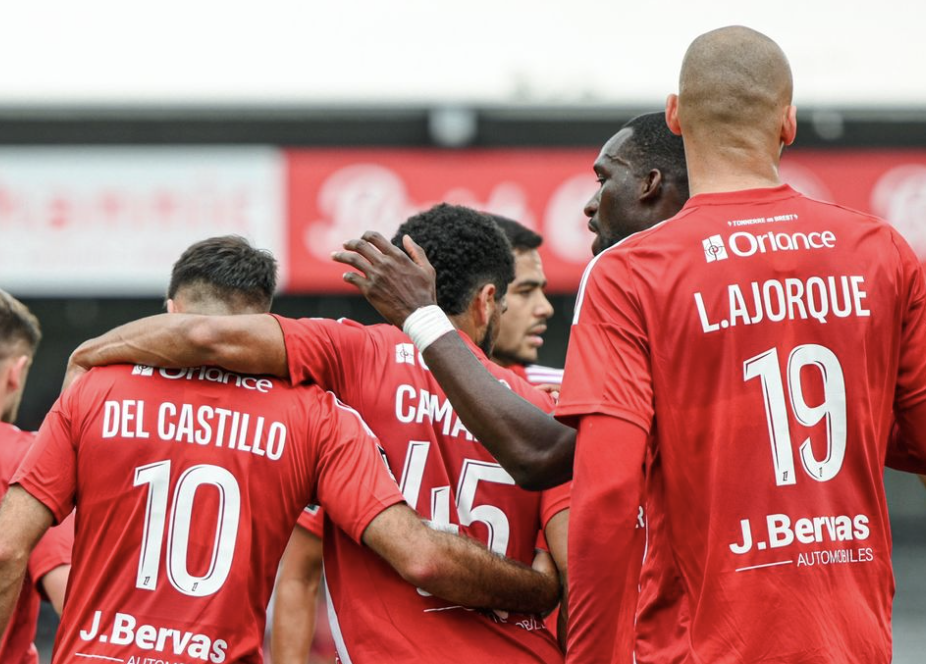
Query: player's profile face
{"points": [[614, 211], [524, 322]]}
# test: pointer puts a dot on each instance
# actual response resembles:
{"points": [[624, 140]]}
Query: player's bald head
{"points": [[734, 79]]}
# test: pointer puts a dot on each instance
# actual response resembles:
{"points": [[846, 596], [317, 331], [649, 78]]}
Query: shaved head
{"points": [[734, 85]]}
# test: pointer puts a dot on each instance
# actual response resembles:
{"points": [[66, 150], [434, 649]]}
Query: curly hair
{"points": [[467, 249], [521, 237], [652, 145], [227, 269]]}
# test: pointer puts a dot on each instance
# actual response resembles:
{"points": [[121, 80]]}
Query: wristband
{"points": [[426, 325]]}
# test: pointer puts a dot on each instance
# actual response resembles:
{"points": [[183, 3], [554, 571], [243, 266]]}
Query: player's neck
{"points": [[717, 170], [465, 324]]}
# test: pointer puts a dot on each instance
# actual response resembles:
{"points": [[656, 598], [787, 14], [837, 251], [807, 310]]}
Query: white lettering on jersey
{"points": [[745, 244], [783, 532], [776, 300], [127, 632], [202, 425], [413, 405], [216, 375]]}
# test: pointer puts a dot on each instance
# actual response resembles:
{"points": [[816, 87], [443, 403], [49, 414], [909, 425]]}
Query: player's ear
{"points": [[672, 115], [651, 185], [485, 301], [15, 374], [171, 306], [789, 125]]}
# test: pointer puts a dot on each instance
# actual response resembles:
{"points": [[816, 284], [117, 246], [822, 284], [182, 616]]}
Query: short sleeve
{"points": [[354, 484], [553, 501], [49, 470], [312, 520], [911, 370], [53, 550], [323, 351], [608, 367]]}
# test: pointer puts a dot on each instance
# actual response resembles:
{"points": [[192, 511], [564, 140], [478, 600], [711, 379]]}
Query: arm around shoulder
{"points": [[458, 568]]}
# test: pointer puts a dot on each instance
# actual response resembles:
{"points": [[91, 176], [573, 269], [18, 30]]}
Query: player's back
{"points": [[446, 475], [774, 324], [188, 483]]}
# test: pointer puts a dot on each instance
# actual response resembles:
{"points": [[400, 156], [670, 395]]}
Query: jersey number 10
{"points": [[765, 367], [157, 477]]}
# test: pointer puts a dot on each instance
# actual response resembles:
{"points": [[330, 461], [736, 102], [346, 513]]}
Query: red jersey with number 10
{"points": [[188, 483], [764, 340], [447, 476]]}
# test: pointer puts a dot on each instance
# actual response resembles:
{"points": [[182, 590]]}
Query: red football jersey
{"points": [[446, 475], [312, 519], [188, 484], [764, 340], [53, 550]]}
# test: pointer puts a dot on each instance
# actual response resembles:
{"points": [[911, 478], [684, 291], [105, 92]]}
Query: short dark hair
{"points": [[18, 326], [520, 237], [228, 269], [466, 248], [652, 145]]}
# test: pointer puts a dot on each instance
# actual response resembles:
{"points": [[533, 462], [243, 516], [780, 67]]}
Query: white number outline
{"points": [[765, 366], [157, 477]]}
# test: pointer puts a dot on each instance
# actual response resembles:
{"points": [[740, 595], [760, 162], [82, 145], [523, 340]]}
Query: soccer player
{"points": [[524, 320], [48, 566], [520, 334], [762, 342], [188, 483], [643, 180], [443, 471]]}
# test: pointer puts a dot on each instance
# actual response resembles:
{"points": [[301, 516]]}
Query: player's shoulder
{"points": [[14, 443]]}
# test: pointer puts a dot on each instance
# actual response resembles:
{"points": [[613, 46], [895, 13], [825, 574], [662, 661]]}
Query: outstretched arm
{"points": [[533, 447], [458, 568], [250, 344]]}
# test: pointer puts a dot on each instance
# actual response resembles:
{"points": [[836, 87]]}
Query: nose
{"points": [[544, 309], [591, 207]]}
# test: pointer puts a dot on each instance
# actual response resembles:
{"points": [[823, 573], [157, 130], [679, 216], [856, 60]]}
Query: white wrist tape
{"points": [[426, 325]]}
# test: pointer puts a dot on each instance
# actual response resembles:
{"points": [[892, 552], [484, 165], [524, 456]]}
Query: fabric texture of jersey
{"points": [[312, 519], [52, 551], [188, 484], [770, 337], [446, 475]]}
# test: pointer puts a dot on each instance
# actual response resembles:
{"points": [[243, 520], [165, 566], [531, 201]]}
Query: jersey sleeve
{"points": [[553, 501], [312, 520], [49, 470], [323, 351], [53, 550], [608, 331], [911, 373], [354, 484]]}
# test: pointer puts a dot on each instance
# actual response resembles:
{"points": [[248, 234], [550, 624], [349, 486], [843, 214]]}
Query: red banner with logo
{"points": [[335, 195]]}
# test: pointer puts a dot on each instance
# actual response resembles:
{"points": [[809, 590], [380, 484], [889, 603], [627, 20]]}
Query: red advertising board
{"points": [[334, 195]]}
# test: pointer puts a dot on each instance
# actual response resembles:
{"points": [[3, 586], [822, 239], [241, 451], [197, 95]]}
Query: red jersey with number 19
{"points": [[763, 339], [188, 483], [447, 476]]}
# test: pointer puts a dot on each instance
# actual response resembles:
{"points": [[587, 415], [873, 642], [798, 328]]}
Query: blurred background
{"points": [[130, 130]]}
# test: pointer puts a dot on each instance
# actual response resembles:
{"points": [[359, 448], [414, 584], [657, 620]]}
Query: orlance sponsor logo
{"points": [[714, 249]]}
